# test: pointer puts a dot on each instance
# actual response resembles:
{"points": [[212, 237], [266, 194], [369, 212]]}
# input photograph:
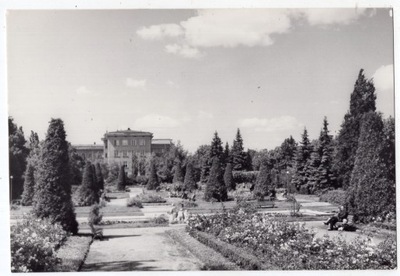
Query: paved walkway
{"points": [[144, 249]]}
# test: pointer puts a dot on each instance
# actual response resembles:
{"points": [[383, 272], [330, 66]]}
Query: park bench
{"points": [[97, 233]]}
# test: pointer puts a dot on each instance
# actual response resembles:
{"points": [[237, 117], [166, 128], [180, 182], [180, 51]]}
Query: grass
{"points": [[211, 259], [73, 253], [125, 224], [110, 211]]}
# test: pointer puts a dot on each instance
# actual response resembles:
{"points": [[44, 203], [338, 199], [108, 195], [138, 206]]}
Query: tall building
{"points": [[120, 146]]}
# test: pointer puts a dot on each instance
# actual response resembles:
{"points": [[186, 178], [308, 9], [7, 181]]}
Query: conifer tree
{"points": [[178, 175], [99, 176], [372, 191], [288, 151], [215, 187], [303, 154], [29, 176], [205, 170], [237, 153], [189, 183], [216, 148], [53, 188], [263, 181], [227, 154], [88, 190], [153, 182], [121, 179], [228, 177], [362, 101], [325, 175]]}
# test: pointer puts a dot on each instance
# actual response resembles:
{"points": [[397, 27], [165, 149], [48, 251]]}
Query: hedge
{"points": [[73, 253], [244, 177], [239, 256]]}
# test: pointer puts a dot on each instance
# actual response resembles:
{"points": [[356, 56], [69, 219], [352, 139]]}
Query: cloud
{"points": [[204, 115], [83, 90], [158, 32], [328, 16], [131, 83], [172, 84], [383, 78], [156, 121], [183, 50], [270, 125]]}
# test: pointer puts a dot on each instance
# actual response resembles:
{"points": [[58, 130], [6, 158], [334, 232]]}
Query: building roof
{"points": [[161, 141], [88, 147], [127, 132]]}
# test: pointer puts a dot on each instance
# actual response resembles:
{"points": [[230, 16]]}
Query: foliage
{"points": [[53, 189], [142, 179], [178, 176], [228, 177], [362, 101], [371, 192], [189, 183], [200, 163], [99, 176], [121, 179], [77, 164], [132, 201], [244, 177], [215, 188], [263, 183], [334, 196], [161, 219], [303, 154], [33, 245], [216, 149], [73, 253], [88, 193], [18, 153], [94, 214], [237, 153], [150, 198], [153, 182]]}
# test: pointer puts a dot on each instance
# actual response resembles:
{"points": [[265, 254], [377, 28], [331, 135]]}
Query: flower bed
{"points": [[277, 243]]}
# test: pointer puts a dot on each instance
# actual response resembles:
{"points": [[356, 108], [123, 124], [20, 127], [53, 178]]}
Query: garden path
{"points": [[144, 249]]}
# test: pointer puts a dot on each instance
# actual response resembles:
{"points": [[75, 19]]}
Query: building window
{"points": [[118, 142], [124, 142], [105, 155], [125, 153], [142, 142], [133, 142], [116, 153], [126, 164]]}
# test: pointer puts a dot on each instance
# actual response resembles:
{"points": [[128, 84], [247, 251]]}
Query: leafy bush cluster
{"points": [[150, 198], [132, 201], [33, 245], [334, 196], [244, 177], [277, 243]]}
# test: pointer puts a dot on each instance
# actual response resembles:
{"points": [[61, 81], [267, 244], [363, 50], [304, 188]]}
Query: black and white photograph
{"points": [[180, 138]]}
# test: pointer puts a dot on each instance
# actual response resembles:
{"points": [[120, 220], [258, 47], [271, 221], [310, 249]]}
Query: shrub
{"points": [[33, 245], [160, 220], [132, 201], [142, 179], [334, 196], [153, 181], [94, 215], [244, 177], [150, 198]]}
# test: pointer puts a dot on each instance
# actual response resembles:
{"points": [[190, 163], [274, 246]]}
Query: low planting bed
{"points": [[110, 211], [73, 253]]}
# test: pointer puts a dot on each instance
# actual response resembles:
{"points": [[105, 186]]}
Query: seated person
{"points": [[345, 226], [341, 215]]}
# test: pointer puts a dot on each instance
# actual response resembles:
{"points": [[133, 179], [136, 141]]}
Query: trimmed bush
{"points": [[150, 198], [94, 215], [160, 220], [121, 179], [244, 177], [334, 196], [133, 201]]}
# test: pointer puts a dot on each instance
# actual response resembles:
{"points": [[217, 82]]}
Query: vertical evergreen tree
{"points": [[389, 147], [77, 164], [362, 101], [227, 154], [263, 181], [99, 176], [121, 184], [178, 175], [88, 190], [216, 149], [153, 182], [53, 189], [303, 154], [18, 153], [288, 151], [29, 177], [205, 171], [215, 187], [228, 177], [237, 153], [189, 183], [325, 175], [372, 191]]}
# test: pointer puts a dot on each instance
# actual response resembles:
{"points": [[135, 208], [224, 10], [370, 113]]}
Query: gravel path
{"points": [[143, 249]]}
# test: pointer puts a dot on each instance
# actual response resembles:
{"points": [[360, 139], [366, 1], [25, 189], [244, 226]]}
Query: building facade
{"points": [[121, 146]]}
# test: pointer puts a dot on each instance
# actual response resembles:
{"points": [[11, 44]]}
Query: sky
{"points": [[184, 74]]}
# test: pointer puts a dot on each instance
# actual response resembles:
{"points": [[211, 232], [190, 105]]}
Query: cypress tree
{"points": [[228, 178], [372, 191], [227, 154], [189, 183], [237, 153], [153, 182], [178, 176], [263, 181], [53, 189], [29, 177], [205, 170], [121, 179], [100, 178], [88, 190], [215, 187], [362, 100]]}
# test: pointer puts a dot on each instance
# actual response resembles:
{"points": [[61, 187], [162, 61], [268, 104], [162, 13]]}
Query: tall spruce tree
{"points": [[303, 154], [263, 181], [88, 190], [227, 154], [288, 152], [228, 178], [189, 183], [237, 153], [121, 184], [153, 181], [53, 188], [325, 176], [29, 176], [362, 100], [372, 191], [215, 188], [216, 149], [178, 175]]}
